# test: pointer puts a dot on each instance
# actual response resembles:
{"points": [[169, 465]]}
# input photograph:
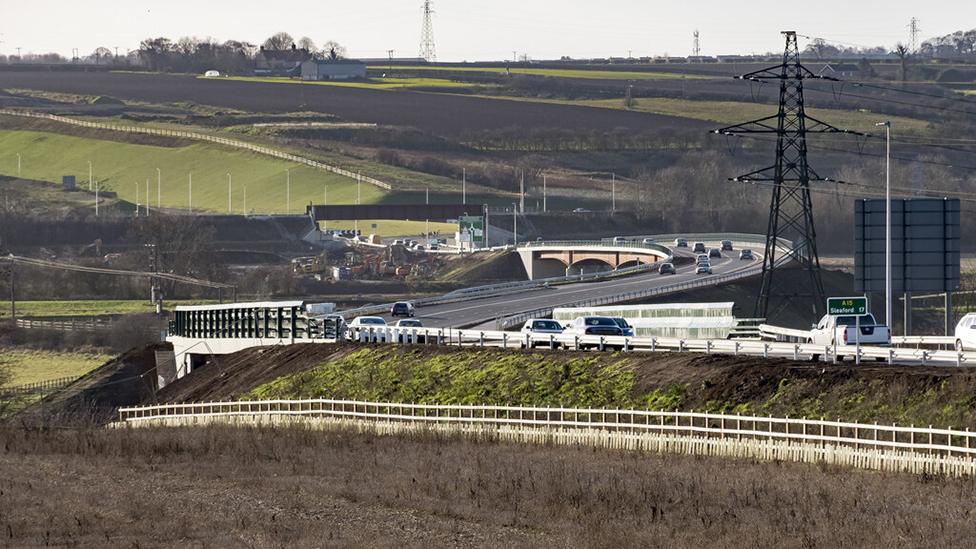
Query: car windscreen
{"points": [[622, 322], [546, 325], [599, 321], [866, 320], [372, 321]]}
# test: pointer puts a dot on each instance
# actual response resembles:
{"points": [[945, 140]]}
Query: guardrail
{"points": [[203, 137], [735, 347], [515, 320], [891, 448], [92, 325], [923, 340]]}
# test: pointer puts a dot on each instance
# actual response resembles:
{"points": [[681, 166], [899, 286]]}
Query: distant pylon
{"points": [[427, 50], [913, 31], [696, 48]]}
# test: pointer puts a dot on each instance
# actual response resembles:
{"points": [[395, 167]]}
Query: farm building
{"points": [[333, 69]]}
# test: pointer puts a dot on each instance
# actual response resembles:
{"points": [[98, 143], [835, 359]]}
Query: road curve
{"points": [[483, 312]]}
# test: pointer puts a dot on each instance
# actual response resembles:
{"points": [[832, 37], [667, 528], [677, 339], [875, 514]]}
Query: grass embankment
{"points": [[125, 167], [32, 366], [557, 73], [660, 381], [87, 308]]}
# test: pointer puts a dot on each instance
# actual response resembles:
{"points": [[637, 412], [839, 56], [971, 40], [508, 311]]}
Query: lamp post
{"points": [[89, 175], [464, 186], [544, 209], [515, 224], [887, 127], [613, 192]]}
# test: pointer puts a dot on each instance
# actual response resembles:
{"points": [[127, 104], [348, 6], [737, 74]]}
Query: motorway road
{"points": [[483, 312]]}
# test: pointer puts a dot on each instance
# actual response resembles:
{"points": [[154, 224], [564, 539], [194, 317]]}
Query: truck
{"points": [[845, 329]]}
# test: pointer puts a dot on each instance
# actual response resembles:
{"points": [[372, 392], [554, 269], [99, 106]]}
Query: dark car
{"points": [[726, 245], [667, 269], [745, 254], [699, 248], [402, 308], [714, 252]]}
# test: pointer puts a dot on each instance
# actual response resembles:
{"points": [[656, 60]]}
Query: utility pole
{"points": [[613, 192], [514, 225], [888, 290], [522, 192], [390, 53], [427, 50], [696, 46], [544, 209], [790, 235]]}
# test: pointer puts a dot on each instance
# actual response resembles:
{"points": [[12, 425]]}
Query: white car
{"points": [[409, 323], [594, 326], [966, 333], [539, 329], [362, 324]]}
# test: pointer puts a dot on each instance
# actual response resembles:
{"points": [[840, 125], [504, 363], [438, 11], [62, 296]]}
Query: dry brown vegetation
{"points": [[300, 488]]}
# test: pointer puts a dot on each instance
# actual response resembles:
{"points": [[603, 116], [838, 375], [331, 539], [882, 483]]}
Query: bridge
{"points": [[548, 259]]}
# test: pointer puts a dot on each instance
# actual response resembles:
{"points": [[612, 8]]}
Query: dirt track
{"points": [[427, 111]]}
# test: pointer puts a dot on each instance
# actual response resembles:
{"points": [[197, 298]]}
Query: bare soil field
{"points": [[292, 487], [432, 112]]}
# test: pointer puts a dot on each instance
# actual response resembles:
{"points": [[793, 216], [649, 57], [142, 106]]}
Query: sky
{"points": [[479, 29]]}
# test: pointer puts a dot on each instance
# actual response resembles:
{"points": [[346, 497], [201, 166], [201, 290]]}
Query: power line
{"points": [[41, 263]]}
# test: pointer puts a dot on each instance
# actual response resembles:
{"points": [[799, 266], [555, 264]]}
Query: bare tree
{"points": [[279, 41], [101, 53], [306, 43], [332, 45], [901, 50]]}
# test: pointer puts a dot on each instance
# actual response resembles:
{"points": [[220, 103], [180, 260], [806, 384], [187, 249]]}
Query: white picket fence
{"points": [[871, 446], [238, 144]]}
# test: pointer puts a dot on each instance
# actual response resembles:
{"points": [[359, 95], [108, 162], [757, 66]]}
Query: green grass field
{"points": [[429, 84], [82, 308], [387, 227], [731, 112], [31, 366], [559, 73], [124, 168]]}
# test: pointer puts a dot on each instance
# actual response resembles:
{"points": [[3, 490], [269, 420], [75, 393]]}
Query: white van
{"points": [[966, 333]]}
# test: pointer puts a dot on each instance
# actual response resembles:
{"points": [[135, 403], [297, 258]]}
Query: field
{"points": [[83, 308], [32, 366], [556, 73], [388, 227], [381, 83], [432, 112], [222, 487], [732, 112], [124, 168]]}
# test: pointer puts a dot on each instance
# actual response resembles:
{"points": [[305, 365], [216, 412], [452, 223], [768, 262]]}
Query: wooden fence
{"points": [[869, 446], [36, 388]]}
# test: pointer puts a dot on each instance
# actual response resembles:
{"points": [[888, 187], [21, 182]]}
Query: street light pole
{"points": [[514, 224], [888, 289], [464, 185], [89, 175], [544, 209]]}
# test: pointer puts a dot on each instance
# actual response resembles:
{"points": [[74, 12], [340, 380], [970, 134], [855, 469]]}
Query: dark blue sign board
{"points": [[924, 245]]}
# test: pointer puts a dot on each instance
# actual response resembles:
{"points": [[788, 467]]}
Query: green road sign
{"points": [[847, 305], [472, 223]]}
